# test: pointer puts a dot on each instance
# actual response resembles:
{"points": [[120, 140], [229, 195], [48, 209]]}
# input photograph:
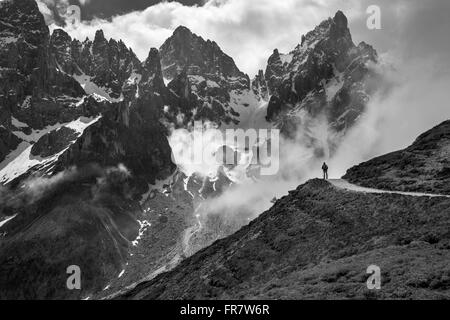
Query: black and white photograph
{"points": [[200, 151]]}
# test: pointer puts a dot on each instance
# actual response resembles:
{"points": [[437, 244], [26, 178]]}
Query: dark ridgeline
{"points": [[316, 243], [422, 167]]}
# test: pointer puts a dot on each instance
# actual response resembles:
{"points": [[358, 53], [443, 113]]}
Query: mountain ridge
{"points": [[423, 166], [316, 243]]}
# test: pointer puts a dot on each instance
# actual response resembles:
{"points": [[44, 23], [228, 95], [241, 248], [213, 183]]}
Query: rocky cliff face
{"points": [[127, 134], [49, 82], [325, 75], [422, 167], [326, 79], [136, 94], [187, 51], [8, 142], [81, 141], [25, 39], [105, 67], [34, 94], [207, 80], [24, 33]]}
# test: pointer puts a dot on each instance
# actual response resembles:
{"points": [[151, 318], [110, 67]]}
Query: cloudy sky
{"points": [[249, 30], [108, 8]]}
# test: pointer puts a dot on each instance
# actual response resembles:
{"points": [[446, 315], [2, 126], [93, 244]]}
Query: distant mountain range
{"points": [[86, 168]]}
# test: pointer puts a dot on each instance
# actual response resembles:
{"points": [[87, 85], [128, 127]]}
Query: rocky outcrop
{"points": [[185, 50], [206, 80], [259, 85], [54, 142], [8, 142], [128, 135], [327, 74], [32, 90], [105, 67], [96, 151], [422, 167], [129, 132], [151, 85], [28, 73]]}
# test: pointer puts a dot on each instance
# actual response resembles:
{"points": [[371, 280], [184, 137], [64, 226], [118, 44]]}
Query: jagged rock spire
{"points": [[185, 49]]}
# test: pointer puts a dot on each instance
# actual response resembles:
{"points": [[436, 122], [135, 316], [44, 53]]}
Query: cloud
{"points": [[412, 101], [37, 187], [246, 30], [417, 74], [249, 30], [416, 102], [53, 10]]}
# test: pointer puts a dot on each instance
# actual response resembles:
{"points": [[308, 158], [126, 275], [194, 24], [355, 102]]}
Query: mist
{"points": [[416, 101], [411, 99], [35, 188]]}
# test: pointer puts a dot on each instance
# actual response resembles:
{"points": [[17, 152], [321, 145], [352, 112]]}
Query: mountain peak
{"points": [[25, 6], [24, 16], [99, 36], [60, 34], [292, 77], [340, 19], [186, 50], [182, 30], [153, 55]]}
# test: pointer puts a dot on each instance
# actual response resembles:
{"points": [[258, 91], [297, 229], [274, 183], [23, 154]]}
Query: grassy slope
{"points": [[424, 166], [317, 243]]}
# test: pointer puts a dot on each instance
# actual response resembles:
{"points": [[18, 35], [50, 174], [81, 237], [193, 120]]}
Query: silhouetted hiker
{"points": [[325, 170]]}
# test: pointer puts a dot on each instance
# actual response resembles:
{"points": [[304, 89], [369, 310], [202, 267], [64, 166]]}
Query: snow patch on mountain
{"points": [[144, 225], [251, 108], [91, 88], [8, 40], [2, 223], [332, 88], [286, 58], [82, 123], [21, 160], [18, 124]]}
